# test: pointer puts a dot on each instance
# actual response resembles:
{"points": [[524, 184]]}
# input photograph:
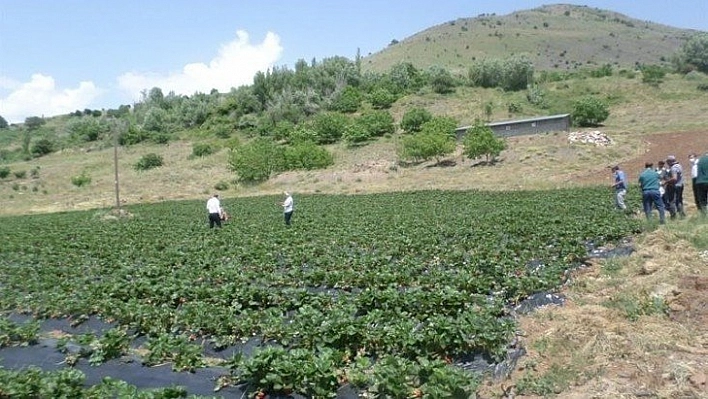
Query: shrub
{"points": [[42, 147], [426, 145], [133, 135], [35, 172], [480, 140], [355, 133], [202, 149], [221, 186], [4, 172], [702, 87], [653, 75], [20, 174], [377, 123], [257, 160], [81, 180], [307, 156], [382, 98], [414, 118], [347, 101], [589, 111], [148, 161], [329, 126]]}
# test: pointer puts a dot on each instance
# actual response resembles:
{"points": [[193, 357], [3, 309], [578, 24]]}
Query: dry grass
{"points": [[593, 347]]}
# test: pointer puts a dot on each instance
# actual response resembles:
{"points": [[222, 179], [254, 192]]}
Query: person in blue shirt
{"points": [[620, 186]]}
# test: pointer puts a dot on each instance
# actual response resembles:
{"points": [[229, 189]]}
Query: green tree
{"points": [[480, 140], [86, 129], [377, 123], [307, 156], [435, 140], [589, 111], [329, 126], [426, 145], [257, 160], [441, 80], [694, 54], [348, 100], [653, 74], [414, 118], [355, 133], [42, 147], [155, 120], [382, 98], [34, 122], [3, 123]]}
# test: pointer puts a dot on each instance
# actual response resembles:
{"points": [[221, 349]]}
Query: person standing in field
{"points": [[213, 207], [701, 185], [620, 186], [649, 183], [693, 161], [288, 207], [674, 187]]}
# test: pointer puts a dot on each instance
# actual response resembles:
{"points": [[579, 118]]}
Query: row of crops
{"points": [[380, 292]]}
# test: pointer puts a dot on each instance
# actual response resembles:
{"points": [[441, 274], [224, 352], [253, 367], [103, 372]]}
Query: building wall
{"points": [[525, 126]]}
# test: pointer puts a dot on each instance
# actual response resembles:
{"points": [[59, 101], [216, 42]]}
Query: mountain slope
{"points": [[554, 37]]}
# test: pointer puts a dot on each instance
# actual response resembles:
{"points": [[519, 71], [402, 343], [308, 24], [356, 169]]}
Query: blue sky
{"points": [[57, 56]]}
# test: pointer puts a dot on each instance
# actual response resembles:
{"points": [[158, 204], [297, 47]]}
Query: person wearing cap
{"points": [[649, 183], [702, 183], [213, 207], [620, 186], [674, 187], [287, 205]]}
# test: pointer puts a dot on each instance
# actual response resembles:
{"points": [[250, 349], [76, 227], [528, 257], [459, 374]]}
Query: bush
{"points": [[347, 101], [4, 172], [221, 186], [480, 140], [702, 87], [414, 118], [377, 123], [307, 156], [81, 180], [355, 133], [202, 149], [42, 147], [653, 75], [133, 135], [257, 160], [426, 145], [329, 126], [382, 98], [20, 174], [148, 161], [589, 111]]}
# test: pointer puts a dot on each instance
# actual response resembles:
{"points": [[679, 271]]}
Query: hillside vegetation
{"points": [[555, 37]]}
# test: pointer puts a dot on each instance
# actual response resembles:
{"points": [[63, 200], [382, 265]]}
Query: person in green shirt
{"points": [[702, 183], [649, 182]]}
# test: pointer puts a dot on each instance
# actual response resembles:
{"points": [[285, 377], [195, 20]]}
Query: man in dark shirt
{"points": [[649, 183], [702, 183]]}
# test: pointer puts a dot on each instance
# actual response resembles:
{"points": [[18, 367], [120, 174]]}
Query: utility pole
{"points": [[118, 127]]}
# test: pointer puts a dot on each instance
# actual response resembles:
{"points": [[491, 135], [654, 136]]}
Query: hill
{"points": [[555, 37]]}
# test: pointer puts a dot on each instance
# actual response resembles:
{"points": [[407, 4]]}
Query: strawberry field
{"points": [[381, 294]]}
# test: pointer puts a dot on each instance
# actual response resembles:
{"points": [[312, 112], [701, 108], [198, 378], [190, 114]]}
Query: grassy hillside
{"points": [[555, 37], [547, 161]]}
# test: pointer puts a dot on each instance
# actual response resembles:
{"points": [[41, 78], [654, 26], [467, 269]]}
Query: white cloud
{"points": [[40, 96], [235, 65]]}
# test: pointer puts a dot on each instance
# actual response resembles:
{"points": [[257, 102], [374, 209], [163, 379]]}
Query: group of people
{"points": [[662, 187], [217, 213]]}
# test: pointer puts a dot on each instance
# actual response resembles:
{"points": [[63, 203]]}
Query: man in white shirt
{"points": [[693, 161], [214, 208], [287, 208]]}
